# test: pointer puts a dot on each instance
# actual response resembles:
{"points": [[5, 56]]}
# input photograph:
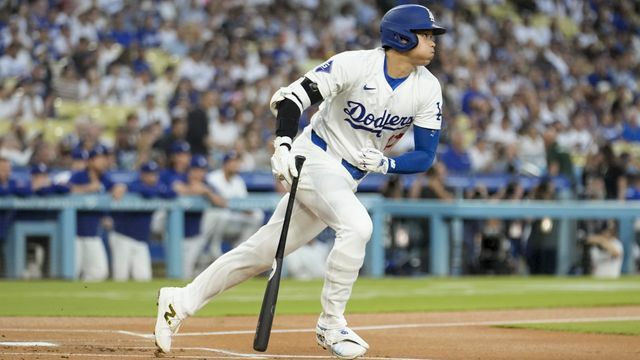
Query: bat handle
{"points": [[299, 161]]}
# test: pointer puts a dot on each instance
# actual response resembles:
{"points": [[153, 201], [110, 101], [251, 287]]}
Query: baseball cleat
{"points": [[343, 343], [168, 320]]}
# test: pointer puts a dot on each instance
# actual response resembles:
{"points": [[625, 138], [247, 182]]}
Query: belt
{"points": [[356, 173]]}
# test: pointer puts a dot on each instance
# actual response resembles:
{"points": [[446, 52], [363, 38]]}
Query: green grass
{"points": [[60, 298], [596, 327]]}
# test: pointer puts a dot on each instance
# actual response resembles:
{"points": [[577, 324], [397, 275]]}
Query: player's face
{"points": [[149, 178], [100, 163], [424, 52], [197, 174]]}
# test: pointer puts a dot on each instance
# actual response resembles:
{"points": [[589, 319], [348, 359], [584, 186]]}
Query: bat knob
{"points": [[299, 161]]}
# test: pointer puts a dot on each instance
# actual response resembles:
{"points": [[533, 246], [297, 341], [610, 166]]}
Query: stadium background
{"points": [[542, 111], [541, 96]]}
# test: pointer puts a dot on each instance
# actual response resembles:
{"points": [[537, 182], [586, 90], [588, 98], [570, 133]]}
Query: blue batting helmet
{"points": [[398, 26]]}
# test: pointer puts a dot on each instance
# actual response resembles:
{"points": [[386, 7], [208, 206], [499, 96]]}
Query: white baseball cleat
{"points": [[168, 320], [343, 343]]}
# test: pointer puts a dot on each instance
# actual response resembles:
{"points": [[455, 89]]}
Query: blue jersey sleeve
{"points": [[79, 178], [107, 182], [419, 160]]}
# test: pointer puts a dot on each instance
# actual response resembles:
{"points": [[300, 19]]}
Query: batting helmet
{"points": [[399, 24]]}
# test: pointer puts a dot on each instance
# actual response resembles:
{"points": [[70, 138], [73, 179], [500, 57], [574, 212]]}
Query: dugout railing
{"points": [[445, 224]]}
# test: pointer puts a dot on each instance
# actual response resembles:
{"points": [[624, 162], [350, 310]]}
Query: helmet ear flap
{"points": [[403, 40]]}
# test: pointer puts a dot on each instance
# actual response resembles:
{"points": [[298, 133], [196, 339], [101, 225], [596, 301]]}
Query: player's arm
{"points": [[416, 161], [289, 103], [420, 159]]}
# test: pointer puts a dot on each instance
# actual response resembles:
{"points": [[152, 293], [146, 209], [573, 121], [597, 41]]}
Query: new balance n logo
{"points": [[168, 315]]}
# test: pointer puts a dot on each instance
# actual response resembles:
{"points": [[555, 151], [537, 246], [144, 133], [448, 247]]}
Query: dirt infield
{"points": [[405, 336]]}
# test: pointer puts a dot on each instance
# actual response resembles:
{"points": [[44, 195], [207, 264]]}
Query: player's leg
{"points": [[252, 257], [141, 262], [191, 248], [121, 257], [336, 204], [78, 257], [95, 258]]}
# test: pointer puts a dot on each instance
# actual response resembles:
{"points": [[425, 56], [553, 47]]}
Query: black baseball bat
{"points": [[268, 309]]}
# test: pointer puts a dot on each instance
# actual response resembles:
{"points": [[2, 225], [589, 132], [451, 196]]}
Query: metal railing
{"points": [[441, 244]]}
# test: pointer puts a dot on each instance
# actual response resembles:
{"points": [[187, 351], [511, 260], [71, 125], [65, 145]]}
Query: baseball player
{"points": [[175, 177], [368, 100], [221, 224], [91, 255], [40, 184], [195, 239], [129, 240]]}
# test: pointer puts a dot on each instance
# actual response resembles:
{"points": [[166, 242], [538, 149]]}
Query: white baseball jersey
{"points": [[361, 110]]}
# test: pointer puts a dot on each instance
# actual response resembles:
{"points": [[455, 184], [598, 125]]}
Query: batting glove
{"points": [[373, 160], [283, 165]]}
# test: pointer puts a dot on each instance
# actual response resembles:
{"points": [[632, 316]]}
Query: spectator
{"points": [[166, 85], [633, 192], [558, 161], [29, 104], [614, 174], [606, 252], [505, 159], [198, 125], [502, 132], [177, 133], [224, 132], [481, 156], [124, 149], [531, 151], [151, 113], [456, 157], [431, 185], [631, 127], [577, 139], [15, 62]]}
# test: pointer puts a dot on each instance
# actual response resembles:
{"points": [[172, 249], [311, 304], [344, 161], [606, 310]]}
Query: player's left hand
{"points": [[373, 160]]}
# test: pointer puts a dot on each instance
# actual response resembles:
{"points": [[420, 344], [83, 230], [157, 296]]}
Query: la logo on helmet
{"points": [[431, 18]]}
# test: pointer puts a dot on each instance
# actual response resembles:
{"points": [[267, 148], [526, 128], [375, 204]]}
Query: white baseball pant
{"points": [[130, 258], [325, 197], [91, 259]]}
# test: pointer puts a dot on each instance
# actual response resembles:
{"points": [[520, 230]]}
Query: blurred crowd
{"points": [[531, 87]]}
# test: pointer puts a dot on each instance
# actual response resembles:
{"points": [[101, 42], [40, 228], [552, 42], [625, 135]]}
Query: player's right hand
{"points": [[283, 165]]}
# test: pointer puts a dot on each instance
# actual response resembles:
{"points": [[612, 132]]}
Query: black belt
{"points": [[354, 171]]}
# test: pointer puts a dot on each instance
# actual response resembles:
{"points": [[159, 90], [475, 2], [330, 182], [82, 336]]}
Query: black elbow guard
{"points": [[287, 119], [312, 91]]}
